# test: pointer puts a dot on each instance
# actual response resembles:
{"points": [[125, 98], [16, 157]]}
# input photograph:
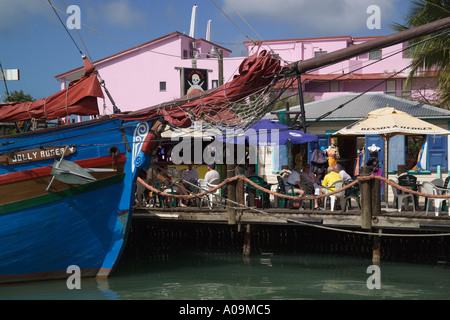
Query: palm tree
{"points": [[435, 52]]}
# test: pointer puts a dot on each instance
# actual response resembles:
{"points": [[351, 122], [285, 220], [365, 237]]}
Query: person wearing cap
{"points": [[212, 175]]}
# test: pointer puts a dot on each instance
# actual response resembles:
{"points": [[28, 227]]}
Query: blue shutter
{"points": [[396, 152], [323, 140], [437, 152]]}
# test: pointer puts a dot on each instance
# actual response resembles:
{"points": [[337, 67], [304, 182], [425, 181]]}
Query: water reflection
{"points": [[220, 276]]}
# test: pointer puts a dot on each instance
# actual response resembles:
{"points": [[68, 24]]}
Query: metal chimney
{"points": [[192, 31], [208, 31]]}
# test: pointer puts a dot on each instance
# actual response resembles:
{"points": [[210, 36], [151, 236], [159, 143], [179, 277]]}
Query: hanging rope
{"points": [[358, 180]]}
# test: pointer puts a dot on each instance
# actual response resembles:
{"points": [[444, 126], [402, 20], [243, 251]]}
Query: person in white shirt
{"points": [[212, 175], [294, 180], [344, 175], [187, 177]]}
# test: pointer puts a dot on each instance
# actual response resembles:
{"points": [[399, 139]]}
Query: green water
{"points": [[231, 276], [175, 262]]}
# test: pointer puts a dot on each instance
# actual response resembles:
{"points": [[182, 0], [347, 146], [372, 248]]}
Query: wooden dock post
{"points": [[240, 196], [247, 238], [231, 196], [376, 196], [366, 200], [376, 254], [251, 197]]}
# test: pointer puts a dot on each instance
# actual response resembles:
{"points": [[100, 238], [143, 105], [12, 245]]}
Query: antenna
{"points": [[208, 31], [192, 30]]}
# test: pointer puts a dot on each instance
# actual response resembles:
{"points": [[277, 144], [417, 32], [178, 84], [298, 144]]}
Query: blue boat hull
{"points": [[83, 225]]}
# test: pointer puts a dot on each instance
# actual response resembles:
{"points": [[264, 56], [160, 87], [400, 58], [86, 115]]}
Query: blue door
{"points": [[323, 140]]}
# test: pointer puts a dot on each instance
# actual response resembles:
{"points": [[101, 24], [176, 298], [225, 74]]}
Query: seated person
{"points": [[212, 176], [294, 180], [188, 176], [344, 175], [250, 171], [330, 178], [313, 180]]}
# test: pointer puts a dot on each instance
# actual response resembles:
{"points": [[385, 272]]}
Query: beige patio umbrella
{"points": [[388, 122]]}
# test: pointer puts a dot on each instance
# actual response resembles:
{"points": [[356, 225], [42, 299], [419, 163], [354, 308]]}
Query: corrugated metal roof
{"points": [[361, 106]]}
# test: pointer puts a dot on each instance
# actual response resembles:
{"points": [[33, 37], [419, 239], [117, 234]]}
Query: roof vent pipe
{"points": [[192, 30]]}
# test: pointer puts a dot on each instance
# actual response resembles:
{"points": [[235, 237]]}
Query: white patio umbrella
{"points": [[388, 122]]}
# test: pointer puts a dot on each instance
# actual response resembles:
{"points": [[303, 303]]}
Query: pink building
{"points": [[153, 72], [355, 75]]}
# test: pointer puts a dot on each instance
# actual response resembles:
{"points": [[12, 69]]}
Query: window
{"points": [[162, 86], [319, 53], [215, 83], [406, 88], [413, 145], [185, 54], [375, 55], [334, 86], [391, 87]]}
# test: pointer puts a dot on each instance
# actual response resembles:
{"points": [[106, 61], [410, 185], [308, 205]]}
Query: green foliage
{"points": [[18, 96], [435, 52]]}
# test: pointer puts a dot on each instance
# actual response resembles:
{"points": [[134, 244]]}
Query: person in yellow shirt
{"points": [[331, 177]]}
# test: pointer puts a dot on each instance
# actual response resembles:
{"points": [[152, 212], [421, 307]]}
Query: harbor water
{"points": [[205, 263]]}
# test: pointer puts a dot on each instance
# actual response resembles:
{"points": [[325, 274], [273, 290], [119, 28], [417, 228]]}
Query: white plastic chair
{"points": [[341, 195], [401, 197], [215, 194], [203, 187], [438, 202], [438, 182]]}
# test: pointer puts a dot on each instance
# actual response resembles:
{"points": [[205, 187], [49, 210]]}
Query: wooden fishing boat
{"points": [[67, 192]]}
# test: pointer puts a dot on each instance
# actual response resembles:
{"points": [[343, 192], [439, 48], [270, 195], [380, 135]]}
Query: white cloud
{"points": [[332, 16], [121, 13], [15, 12]]}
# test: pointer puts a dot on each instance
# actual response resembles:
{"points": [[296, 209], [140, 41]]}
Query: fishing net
{"points": [[238, 104]]}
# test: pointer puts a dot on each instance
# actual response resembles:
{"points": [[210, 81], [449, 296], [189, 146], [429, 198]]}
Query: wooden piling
{"points": [[251, 197], [231, 196], [240, 196], [247, 237], [376, 254], [366, 200], [376, 197]]}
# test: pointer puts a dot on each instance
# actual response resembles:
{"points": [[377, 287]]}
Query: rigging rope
{"points": [[79, 50]]}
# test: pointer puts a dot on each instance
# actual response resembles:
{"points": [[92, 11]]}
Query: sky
{"points": [[33, 39]]}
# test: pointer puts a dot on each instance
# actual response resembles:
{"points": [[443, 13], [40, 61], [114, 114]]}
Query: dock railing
{"points": [[369, 187]]}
